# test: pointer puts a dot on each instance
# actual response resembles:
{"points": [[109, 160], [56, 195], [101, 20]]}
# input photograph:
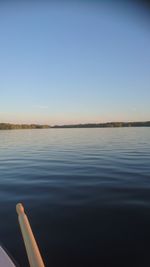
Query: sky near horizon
{"points": [[74, 62]]}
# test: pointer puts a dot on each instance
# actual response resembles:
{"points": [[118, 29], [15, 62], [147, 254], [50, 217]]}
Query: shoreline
{"points": [[9, 126]]}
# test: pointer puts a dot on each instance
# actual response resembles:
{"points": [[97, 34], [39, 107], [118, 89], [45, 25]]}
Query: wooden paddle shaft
{"points": [[32, 250]]}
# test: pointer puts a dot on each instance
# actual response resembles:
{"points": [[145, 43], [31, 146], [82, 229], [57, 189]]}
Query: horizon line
{"points": [[75, 124]]}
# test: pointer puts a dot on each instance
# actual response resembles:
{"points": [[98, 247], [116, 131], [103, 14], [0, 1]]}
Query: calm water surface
{"points": [[86, 192]]}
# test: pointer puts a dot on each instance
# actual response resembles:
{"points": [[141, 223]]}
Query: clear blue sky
{"points": [[74, 61]]}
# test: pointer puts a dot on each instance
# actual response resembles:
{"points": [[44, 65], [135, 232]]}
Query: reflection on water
{"points": [[86, 191]]}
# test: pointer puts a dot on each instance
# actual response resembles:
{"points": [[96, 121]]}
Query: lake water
{"points": [[86, 193]]}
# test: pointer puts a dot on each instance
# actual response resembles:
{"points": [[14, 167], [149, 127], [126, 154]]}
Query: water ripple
{"points": [[86, 190]]}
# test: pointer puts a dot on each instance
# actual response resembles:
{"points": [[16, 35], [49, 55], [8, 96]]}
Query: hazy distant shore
{"points": [[9, 126]]}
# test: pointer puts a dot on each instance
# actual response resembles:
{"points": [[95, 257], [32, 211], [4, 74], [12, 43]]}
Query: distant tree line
{"points": [[105, 125], [9, 126]]}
